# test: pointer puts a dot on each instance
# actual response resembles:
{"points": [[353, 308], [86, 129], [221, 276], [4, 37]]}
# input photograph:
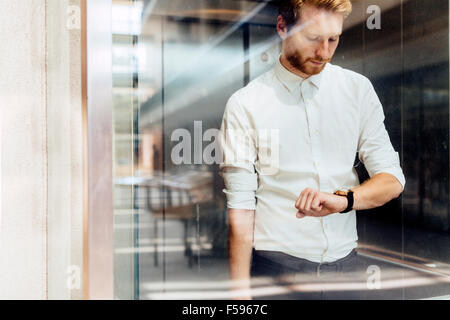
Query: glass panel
{"points": [[177, 62], [200, 69], [407, 62], [126, 28]]}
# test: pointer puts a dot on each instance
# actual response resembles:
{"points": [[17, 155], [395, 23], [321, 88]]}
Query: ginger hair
{"points": [[290, 10]]}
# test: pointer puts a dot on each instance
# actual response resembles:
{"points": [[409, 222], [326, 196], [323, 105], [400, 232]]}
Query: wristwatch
{"points": [[349, 195]]}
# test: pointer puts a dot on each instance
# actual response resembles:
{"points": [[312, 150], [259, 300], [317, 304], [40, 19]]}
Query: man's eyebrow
{"points": [[318, 35], [336, 35]]}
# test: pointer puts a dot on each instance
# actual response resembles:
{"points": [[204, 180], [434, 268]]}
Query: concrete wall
{"points": [[64, 127], [41, 150], [23, 240]]}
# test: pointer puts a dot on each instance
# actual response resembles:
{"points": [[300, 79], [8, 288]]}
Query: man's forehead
{"points": [[320, 21]]}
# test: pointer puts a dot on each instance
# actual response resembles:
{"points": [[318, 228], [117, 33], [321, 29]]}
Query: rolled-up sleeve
{"points": [[374, 146], [237, 144]]}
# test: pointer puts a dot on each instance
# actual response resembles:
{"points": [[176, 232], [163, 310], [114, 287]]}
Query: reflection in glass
{"points": [[176, 63]]}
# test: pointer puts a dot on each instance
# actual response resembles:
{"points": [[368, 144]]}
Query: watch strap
{"points": [[350, 202]]}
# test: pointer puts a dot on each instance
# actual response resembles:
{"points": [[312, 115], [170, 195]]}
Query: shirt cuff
{"points": [[240, 189]]}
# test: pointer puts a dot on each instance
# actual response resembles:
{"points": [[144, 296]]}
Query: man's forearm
{"points": [[240, 246], [376, 191]]}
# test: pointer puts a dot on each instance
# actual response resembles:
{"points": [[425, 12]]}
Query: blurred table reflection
{"points": [[178, 196]]}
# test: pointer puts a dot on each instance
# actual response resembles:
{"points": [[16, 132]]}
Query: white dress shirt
{"points": [[309, 131]]}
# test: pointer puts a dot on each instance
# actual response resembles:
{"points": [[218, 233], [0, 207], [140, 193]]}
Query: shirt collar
{"points": [[292, 81]]}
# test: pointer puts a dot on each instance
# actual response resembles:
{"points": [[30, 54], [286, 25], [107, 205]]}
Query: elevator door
{"points": [[176, 63]]}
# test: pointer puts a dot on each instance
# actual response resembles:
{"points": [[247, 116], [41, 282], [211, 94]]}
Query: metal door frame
{"points": [[96, 36]]}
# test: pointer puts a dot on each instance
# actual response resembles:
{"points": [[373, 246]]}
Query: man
{"points": [[300, 219]]}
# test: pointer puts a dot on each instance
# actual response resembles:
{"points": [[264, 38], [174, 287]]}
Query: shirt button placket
{"points": [[315, 138], [313, 123]]}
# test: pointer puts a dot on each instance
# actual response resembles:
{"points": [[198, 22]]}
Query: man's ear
{"points": [[282, 28]]}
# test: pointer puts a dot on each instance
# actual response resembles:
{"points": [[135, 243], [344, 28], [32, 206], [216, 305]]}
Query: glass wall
{"points": [[176, 63]]}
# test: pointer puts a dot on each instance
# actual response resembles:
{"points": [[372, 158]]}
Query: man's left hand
{"points": [[314, 203]]}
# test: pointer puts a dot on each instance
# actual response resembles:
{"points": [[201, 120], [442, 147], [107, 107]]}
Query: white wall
{"points": [[23, 244], [41, 150], [64, 127]]}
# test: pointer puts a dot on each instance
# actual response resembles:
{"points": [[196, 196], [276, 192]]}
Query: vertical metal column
{"points": [[136, 142], [97, 103], [246, 39], [448, 202]]}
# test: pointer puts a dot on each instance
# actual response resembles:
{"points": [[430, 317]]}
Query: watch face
{"points": [[341, 193]]}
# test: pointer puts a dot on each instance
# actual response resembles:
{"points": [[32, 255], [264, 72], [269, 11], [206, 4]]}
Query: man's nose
{"points": [[322, 50]]}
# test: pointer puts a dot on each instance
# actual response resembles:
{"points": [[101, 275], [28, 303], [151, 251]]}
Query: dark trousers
{"points": [[289, 277]]}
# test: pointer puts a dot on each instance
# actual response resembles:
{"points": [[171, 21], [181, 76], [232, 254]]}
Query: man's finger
{"points": [[300, 215], [310, 199], [297, 203], [303, 199], [315, 205]]}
